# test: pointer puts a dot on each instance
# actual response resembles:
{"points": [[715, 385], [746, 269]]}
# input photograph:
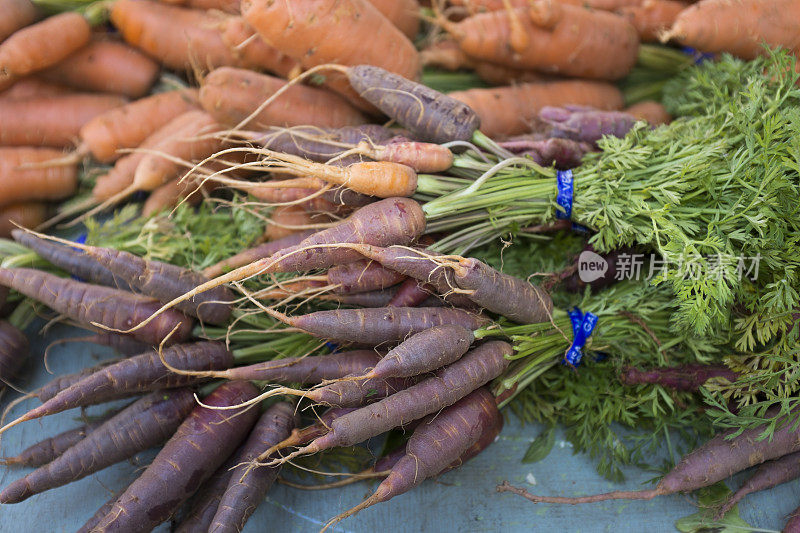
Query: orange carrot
{"points": [[50, 121], [290, 219], [26, 184], [26, 214], [16, 15], [128, 126], [316, 32], [228, 6], [511, 110], [448, 55], [42, 45], [404, 14], [33, 87], [252, 51], [650, 111], [170, 195], [558, 39], [231, 95], [479, 6], [177, 37], [653, 17], [108, 67], [740, 28]]}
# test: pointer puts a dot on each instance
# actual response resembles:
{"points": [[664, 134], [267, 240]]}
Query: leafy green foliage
{"points": [[703, 520]]}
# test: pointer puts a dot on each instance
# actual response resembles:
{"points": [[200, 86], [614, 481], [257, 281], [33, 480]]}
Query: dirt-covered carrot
{"points": [[585, 124], [33, 87], [608, 43], [16, 15], [405, 14], [144, 424], [19, 184], [25, 214], [437, 442], [108, 67], [253, 254], [714, 461], [130, 125], [317, 32], [41, 45], [51, 121], [684, 378], [232, 95], [72, 260], [141, 373], [89, 304], [740, 28], [652, 18], [446, 387], [506, 111], [248, 486], [652, 112], [200, 445], [768, 475], [13, 351], [46, 450], [252, 51]]}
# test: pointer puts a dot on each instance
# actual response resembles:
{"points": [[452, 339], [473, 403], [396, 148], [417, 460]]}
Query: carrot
{"points": [[130, 125], [428, 114], [171, 194], [714, 461], [200, 445], [506, 111], [404, 14], [228, 6], [558, 39], [478, 6], [141, 373], [232, 95], [14, 349], [437, 442], [164, 282], [563, 153], [287, 220], [70, 259], [410, 294], [505, 75], [253, 254], [41, 45], [683, 378], [450, 384], [144, 424], [317, 32], [51, 121], [95, 519], [26, 184], [56, 385], [26, 214], [87, 304], [376, 298], [122, 344], [585, 124], [247, 487], [793, 525], [652, 112], [321, 144], [653, 17], [33, 87], [107, 67], [16, 15], [422, 157], [253, 52], [362, 276], [768, 475], [739, 28]]}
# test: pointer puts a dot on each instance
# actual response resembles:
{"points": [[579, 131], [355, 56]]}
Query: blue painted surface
{"points": [[463, 500]]}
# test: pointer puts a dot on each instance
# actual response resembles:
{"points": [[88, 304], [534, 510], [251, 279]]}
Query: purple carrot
{"points": [[479, 366], [311, 369], [585, 124], [362, 276], [247, 486], [793, 525], [122, 344], [373, 327], [72, 260], [95, 519], [410, 294], [200, 445], [714, 461], [768, 475], [379, 298], [437, 442], [46, 450], [320, 145], [13, 351], [135, 375], [687, 378], [563, 153], [56, 385], [301, 436], [144, 424], [254, 254], [90, 304]]}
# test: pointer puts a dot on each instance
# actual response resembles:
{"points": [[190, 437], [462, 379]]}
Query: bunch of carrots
{"points": [[208, 100]]}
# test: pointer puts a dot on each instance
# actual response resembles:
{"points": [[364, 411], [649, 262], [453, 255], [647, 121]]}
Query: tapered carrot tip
{"points": [[30, 415], [372, 500], [617, 495]]}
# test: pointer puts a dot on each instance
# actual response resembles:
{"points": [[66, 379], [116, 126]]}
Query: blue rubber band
{"points": [[582, 327], [565, 192]]}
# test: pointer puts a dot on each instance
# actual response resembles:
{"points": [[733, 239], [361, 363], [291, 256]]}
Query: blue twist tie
{"points": [[565, 192], [80, 239], [699, 57], [332, 347], [582, 328]]}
